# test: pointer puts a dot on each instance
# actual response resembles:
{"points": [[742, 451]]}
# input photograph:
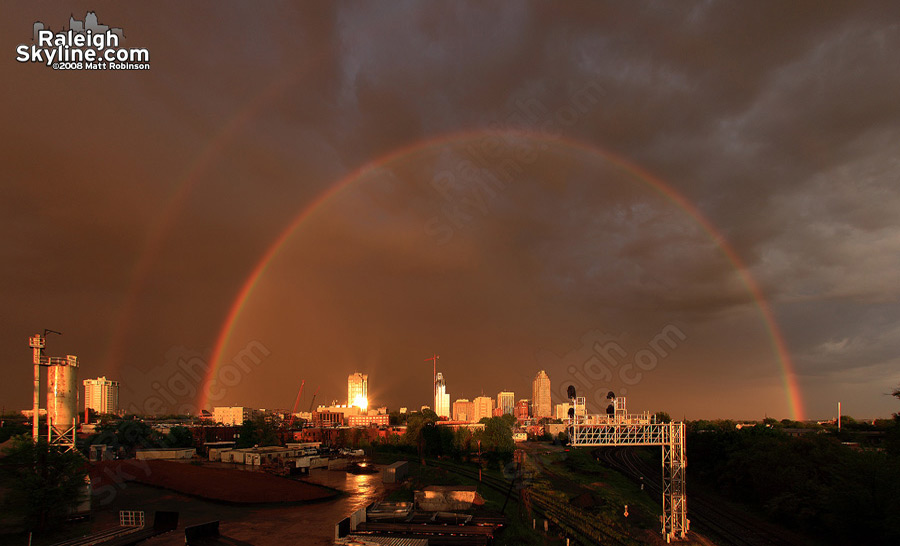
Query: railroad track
{"points": [[582, 526], [730, 526]]}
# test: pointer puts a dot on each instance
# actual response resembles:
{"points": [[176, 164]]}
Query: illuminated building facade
{"points": [[101, 395], [358, 390], [540, 405], [506, 401], [441, 397]]}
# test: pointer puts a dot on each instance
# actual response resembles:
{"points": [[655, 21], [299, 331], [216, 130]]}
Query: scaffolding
{"points": [[619, 428]]}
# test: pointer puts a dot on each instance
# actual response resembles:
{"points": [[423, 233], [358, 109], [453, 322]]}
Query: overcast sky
{"points": [[525, 186]]}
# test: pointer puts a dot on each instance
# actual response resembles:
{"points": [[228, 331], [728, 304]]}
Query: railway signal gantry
{"points": [[619, 428]]}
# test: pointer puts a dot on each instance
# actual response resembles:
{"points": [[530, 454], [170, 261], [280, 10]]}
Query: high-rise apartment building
{"points": [[101, 395], [540, 405], [441, 397], [506, 401], [358, 390], [484, 407]]}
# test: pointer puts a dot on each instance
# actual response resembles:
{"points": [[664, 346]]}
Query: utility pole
{"points": [[434, 358]]}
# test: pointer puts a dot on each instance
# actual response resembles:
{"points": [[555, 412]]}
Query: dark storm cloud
{"points": [[778, 121]]}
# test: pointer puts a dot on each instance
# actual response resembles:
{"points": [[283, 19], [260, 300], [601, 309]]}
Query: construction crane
{"points": [[434, 358], [296, 402], [313, 399]]}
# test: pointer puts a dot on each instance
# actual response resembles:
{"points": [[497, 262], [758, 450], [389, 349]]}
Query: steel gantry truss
{"points": [[618, 428]]}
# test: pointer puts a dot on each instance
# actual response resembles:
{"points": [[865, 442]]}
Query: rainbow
{"points": [[791, 388]]}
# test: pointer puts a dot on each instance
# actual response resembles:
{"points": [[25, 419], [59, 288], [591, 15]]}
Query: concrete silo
{"points": [[62, 391]]}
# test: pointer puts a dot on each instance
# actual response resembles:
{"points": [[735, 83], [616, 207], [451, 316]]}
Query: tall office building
{"points": [[441, 397], [463, 410], [101, 395], [358, 390], [484, 407], [541, 396], [506, 401]]}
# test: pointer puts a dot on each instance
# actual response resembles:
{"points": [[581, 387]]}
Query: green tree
{"points": [[130, 434], [257, 432], [416, 434], [812, 483], [892, 433], [498, 434], [496, 440], [396, 418], [12, 428], [662, 417], [462, 440], [44, 483], [179, 437]]}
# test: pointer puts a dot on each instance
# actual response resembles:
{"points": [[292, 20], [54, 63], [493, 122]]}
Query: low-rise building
{"points": [[562, 411], [165, 453], [456, 425], [395, 473], [523, 410], [327, 419], [369, 420], [232, 415]]}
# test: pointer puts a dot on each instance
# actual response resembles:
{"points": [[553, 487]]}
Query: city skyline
{"points": [[693, 206]]}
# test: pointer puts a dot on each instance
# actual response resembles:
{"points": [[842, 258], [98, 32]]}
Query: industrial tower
{"points": [[62, 394]]}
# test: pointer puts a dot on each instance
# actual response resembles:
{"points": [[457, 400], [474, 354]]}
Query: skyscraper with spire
{"points": [[441, 397]]}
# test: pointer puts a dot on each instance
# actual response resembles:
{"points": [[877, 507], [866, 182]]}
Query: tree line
{"points": [[812, 483]]}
